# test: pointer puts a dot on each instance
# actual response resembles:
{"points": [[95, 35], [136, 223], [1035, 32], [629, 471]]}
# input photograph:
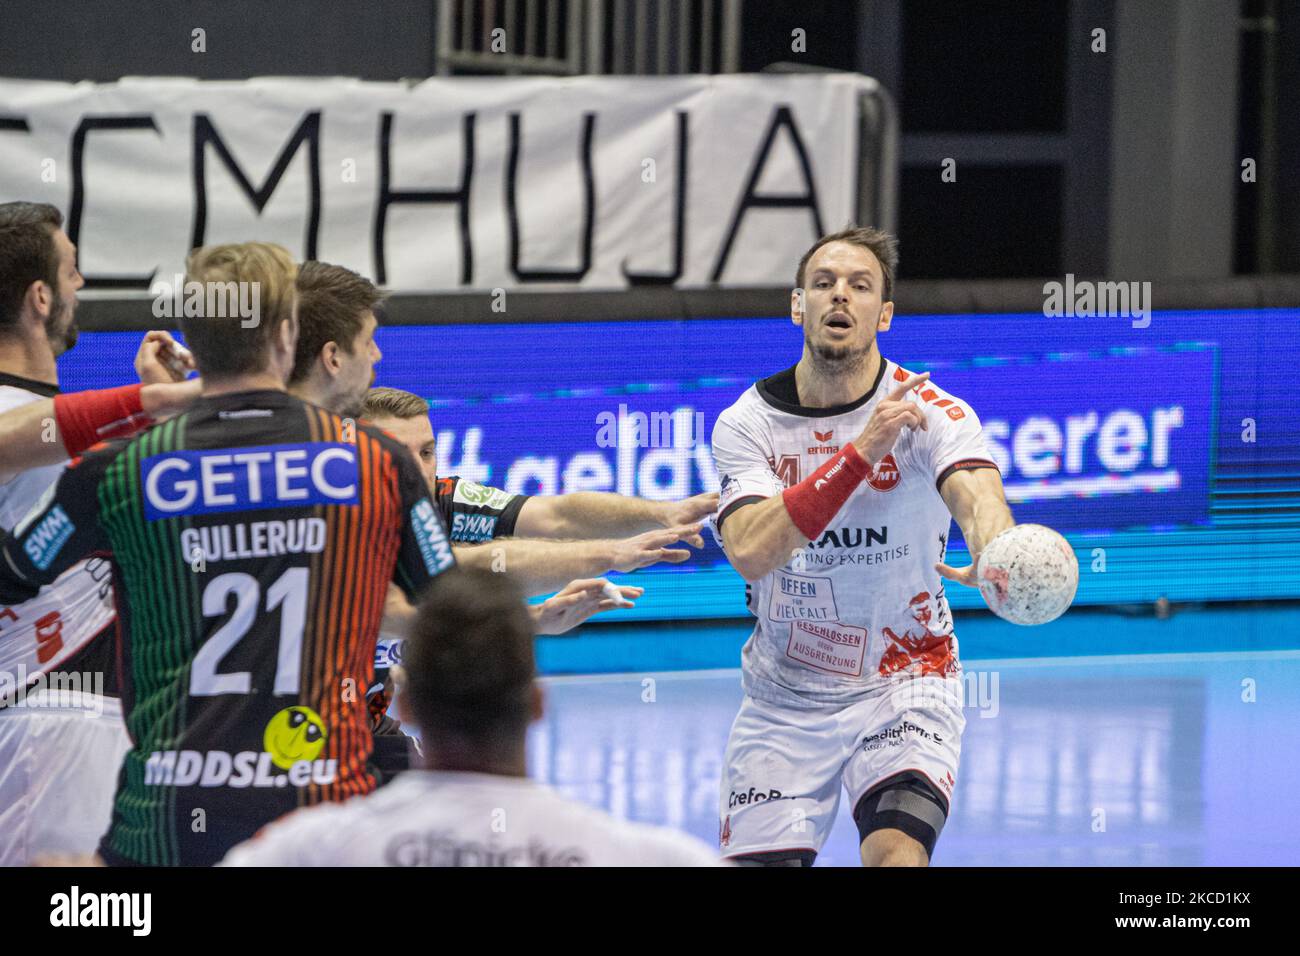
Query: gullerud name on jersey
{"points": [[256, 539], [180, 483], [217, 768]]}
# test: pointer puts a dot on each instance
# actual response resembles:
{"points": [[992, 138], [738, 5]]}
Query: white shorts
{"points": [[58, 776], [785, 767]]}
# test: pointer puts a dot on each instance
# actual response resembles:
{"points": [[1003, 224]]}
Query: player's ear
{"points": [[40, 299], [288, 332], [886, 316], [797, 307]]}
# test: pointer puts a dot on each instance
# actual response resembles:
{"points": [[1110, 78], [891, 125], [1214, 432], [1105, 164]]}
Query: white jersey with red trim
{"points": [[863, 604], [433, 818], [38, 635]]}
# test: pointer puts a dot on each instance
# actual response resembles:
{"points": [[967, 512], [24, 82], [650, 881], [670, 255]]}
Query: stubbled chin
{"points": [[62, 343]]}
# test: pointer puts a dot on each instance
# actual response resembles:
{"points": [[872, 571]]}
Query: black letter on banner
{"points": [[205, 133], [87, 124], [679, 219], [10, 124], [388, 197], [589, 210], [806, 199]]}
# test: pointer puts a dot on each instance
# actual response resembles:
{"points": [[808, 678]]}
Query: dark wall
{"points": [[108, 39]]}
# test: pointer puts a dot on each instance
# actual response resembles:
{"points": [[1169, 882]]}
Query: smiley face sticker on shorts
{"points": [[294, 734]]}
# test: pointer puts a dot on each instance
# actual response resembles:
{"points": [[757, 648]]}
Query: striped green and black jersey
{"points": [[252, 542]]}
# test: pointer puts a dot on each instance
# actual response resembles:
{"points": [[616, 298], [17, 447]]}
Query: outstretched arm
{"points": [[575, 603], [52, 430], [599, 514], [543, 566], [979, 507]]}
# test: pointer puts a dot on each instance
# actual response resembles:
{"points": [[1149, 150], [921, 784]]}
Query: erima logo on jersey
{"points": [[434, 546], [473, 527], [49, 537], [248, 479]]}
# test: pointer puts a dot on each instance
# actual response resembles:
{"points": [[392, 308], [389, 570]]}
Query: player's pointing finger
{"points": [[898, 394]]}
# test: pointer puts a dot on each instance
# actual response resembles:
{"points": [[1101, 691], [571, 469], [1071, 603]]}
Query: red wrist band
{"points": [[85, 418], [813, 502]]}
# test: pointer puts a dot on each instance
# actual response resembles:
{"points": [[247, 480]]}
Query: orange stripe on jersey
{"points": [[348, 593], [310, 692]]}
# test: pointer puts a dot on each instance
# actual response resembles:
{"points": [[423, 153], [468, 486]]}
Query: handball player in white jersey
{"points": [[62, 738], [840, 480]]}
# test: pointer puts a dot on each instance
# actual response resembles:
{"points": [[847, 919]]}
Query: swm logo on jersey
{"points": [[49, 537], [473, 527], [249, 479], [434, 546]]}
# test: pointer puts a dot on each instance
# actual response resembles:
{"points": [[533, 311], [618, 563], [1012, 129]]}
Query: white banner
{"points": [[448, 184]]}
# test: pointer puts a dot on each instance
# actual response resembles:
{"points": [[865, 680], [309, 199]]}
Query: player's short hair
{"points": [[27, 254], [223, 343], [393, 403], [468, 658], [332, 306], [882, 245]]}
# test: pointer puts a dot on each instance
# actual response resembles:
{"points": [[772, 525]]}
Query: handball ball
{"points": [[1028, 574]]}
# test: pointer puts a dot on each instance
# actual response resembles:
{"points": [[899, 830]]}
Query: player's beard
{"points": [[350, 406], [61, 327], [833, 360]]}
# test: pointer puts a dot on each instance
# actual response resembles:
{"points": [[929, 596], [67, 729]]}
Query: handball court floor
{"points": [[1109, 739]]}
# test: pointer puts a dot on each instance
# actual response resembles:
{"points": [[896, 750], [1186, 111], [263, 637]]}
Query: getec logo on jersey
{"points": [[249, 479], [434, 546]]}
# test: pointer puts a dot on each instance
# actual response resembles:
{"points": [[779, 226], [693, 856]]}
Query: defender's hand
{"points": [[691, 510], [162, 359], [578, 601], [652, 547]]}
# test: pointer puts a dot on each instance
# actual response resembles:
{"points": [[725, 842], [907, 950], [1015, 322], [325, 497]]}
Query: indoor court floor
{"points": [[1182, 752]]}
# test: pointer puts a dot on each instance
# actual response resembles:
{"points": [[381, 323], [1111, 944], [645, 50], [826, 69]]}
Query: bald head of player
{"points": [[38, 288], [245, 336], [843, 297], [335, 360], [468, 676]]}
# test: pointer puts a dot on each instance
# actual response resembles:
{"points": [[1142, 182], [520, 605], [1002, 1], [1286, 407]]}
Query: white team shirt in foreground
{"points": [[434, 818], [862, 605], [38, 635], [60, 749]]}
